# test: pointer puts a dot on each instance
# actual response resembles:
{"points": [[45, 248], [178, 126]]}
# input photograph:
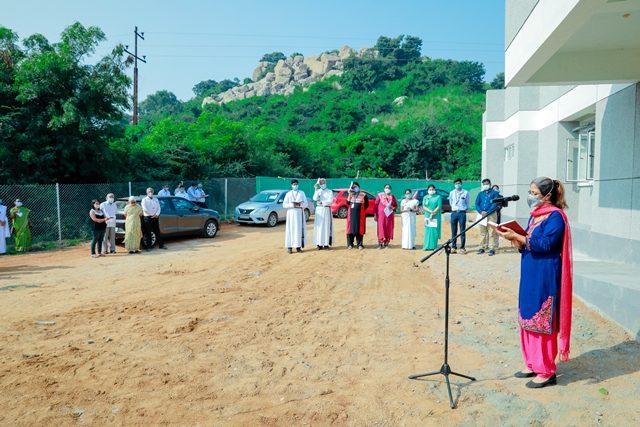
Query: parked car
{"points": [[340, 206], [266, 208], [178, 217], [421, 192]]}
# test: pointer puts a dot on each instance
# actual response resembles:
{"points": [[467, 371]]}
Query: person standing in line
{"points": [[546, 282], [484, 205], [109, 208], [496, 188], [295, 202], [5, 231], [180, 192], [98, 226], [356, 216], [132, 226], [408, 208], [459, 199], [323, 220], [432, 205], [384, 214], [151, 218], [202, 196], [21, 225], [165, 191], [192, 193]]}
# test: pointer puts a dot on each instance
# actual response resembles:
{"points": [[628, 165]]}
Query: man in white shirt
{"points": [[192, 193], [202, 196], [165, 191], [323, 221], [295, 201], [151, 219], [109, 208]]}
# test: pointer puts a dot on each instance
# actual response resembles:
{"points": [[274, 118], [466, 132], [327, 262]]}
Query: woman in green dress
{"points": [[132, 226], [21, 223], [432, 205]]}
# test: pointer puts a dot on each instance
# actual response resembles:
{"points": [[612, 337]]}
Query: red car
{"points": [[340, 206]]}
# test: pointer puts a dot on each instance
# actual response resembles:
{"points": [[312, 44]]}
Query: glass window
{"points": [[182, 204], [591, 154], [165, 204], [581, 157]]}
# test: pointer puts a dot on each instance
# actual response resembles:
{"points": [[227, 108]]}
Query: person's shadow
{"points": [[602, 364]]}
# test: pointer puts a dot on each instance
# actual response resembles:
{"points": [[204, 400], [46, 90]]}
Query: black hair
{"points": [[294, 181], [355, 183], [555, 188], [408, 190], [457, 180], [431, 186], [94, 201], [486, 180], [387, 185]]}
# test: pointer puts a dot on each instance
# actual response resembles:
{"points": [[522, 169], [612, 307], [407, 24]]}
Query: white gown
{"points": [[5, 231], [323, 222], [408, 224], [294, 234]]}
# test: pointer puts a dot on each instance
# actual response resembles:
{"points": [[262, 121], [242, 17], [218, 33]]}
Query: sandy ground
{"points": [[234, 331]]}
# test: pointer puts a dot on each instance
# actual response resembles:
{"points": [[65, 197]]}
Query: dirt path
{"points": [[234, 331]]}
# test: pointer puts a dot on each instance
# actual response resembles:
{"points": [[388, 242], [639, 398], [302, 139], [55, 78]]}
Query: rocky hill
{"points": [[283, 77]]}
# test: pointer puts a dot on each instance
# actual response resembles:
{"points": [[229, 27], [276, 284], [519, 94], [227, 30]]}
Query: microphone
{"points": [[506, 199]]}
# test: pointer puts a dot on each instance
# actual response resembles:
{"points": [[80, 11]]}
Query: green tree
{"points": [[498, 81], [160, 103], [273, 57]]}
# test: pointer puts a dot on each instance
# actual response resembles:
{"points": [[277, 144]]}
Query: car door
{"points": [[190, 218], [168, 218], [282, 212]]}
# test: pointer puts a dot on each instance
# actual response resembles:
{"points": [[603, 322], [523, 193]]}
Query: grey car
{"points": [[266, 208]]}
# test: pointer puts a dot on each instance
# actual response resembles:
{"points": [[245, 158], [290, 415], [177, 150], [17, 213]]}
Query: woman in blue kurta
{"points": [[544, 302]]}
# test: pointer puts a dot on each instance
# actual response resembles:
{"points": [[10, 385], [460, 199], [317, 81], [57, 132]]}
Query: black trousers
{"points": [[151, 224], [350, 238], [96, 241]]}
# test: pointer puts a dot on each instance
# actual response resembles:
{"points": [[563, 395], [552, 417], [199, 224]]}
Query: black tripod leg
{"points": [[453, 405], [428, 374], [463, 376]]}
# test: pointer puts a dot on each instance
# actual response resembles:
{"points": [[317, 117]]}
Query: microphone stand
{"points": [[445, 369]]}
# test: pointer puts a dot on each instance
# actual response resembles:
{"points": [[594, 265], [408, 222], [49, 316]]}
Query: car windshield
{"points": [[265, 197]]}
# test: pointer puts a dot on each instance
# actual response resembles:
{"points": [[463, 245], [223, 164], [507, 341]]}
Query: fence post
{"points": [[130, 189], [225, 198], [59, 216]]}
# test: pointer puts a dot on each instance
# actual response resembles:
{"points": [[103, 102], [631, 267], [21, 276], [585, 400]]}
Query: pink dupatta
{"points": [[566, 281]]}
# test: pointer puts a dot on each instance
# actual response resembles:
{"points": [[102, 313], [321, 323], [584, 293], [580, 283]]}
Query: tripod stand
{"points": [[445, 369]]}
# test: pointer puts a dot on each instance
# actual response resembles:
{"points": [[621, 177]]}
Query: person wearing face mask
{"points": [[109, 208], [202, 196], [356, 216], [165, 191], [459, 199], [484, 204], [385, 206], [133, 226], [295, 202], [323, 220], [21, 223], [180, 192], [98, 226], [5, 231], [151, 220], [408, 208], [192, 193], [546, 281], [432, 205]]}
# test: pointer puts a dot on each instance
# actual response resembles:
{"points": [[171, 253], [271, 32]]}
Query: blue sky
{"points": [[194, 40]]}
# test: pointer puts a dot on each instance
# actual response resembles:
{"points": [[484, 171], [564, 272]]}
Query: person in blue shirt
{"points": [[484, 204], [459, 200]]}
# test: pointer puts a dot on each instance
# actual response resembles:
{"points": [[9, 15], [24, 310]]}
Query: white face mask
{"points": [[294, 187], [431, 192], [323, 186], [110, 199], [407, 196], [387, 191], [150, 195], [18, 204], [485, 187]]}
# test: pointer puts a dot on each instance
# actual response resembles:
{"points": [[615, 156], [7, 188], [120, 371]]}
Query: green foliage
{"points": [[498, 81], [212, 87], [273, 57], [58, 111]]}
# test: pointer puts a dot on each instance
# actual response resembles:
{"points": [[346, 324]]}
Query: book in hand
{"points": [[511, 225]]}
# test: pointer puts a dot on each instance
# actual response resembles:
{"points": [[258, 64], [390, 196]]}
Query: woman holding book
{"points": [[432, 206], [544, 306]]}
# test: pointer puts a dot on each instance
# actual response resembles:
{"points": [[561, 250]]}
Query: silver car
{"points": [[266, 208]]}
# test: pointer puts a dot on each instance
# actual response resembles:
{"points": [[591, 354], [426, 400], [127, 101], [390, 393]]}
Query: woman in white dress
{"points": [[408, 208]]}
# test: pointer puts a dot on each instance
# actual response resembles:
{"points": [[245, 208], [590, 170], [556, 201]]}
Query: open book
{"points": [[511, 225]]}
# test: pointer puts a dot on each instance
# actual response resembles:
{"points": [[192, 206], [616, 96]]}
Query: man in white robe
{"points": [[295, 201], [5, 231], [323, 222]]}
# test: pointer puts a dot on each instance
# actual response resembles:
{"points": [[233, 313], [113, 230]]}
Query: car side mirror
{"points": [[280, 202]]}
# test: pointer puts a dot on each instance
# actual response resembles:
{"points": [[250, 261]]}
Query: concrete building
{"points": [[571, 111]]}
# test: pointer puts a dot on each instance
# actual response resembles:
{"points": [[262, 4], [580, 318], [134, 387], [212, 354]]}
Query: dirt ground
{"points": [[235, 331]]}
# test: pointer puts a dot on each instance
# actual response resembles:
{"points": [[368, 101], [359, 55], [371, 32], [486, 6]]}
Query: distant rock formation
{"points": [[287, 74]]}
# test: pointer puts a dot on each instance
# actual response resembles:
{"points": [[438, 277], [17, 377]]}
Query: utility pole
{"points": [[136, 58]]}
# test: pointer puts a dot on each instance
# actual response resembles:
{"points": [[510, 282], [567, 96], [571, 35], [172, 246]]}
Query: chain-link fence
{"points": [[60, 212]]}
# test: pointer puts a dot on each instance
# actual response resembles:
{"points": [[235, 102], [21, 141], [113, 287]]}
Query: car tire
{"points": [[342, 212], [210, 229], [307, 215], [272, 220], [153, 240]]}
